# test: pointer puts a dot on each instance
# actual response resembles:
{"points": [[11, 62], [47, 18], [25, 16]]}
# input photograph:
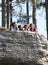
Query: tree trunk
{"points": [[34, 12], [47, 17], [27, 7], [10, 12], [7, 1], [3, 13]]}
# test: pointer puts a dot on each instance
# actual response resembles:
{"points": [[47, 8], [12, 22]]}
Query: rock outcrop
{"points": [[26, 48]]}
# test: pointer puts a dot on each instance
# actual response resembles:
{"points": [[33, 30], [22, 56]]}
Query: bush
{"points": [[2, 28]]}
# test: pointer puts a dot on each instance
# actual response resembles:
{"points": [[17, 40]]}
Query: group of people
{"points": [[26, 27]]}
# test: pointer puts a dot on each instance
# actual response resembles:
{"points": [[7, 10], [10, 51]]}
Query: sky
{"points": [[40, 17], [41, 21]]}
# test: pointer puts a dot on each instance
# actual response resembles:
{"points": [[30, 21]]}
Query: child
{"points": [[26, 27], [32, 27], [20, 27], [13, 26]]}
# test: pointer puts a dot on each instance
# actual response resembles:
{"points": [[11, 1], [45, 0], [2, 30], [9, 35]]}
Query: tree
{"points": [[35, 4], [7, 11], [10, 10], [27, 6], [47, 16], [34, 12], [3, 13]]}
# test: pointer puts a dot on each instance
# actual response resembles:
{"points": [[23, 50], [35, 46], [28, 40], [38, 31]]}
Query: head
{"points": [[30, 25], [20, 27], [26, 26], [33, 26], [14, 25]]}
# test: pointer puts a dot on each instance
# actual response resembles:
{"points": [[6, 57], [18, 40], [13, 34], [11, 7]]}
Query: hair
{"points": [[12, 23], [19, 26], [30, 25], [25, 25]]}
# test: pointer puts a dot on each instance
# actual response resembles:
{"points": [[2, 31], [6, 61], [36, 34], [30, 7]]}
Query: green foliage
{"points": [[2, 28], [36, 1]]}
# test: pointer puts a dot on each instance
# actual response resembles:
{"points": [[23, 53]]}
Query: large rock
{"points": [[26, 48]]}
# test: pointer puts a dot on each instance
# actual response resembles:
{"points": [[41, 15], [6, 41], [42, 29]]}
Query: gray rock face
{"points": [[23, 47]]}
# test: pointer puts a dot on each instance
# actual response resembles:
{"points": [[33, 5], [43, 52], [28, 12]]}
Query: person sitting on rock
{"points": [[20, 27], [13, 26], [32, 28], [26, 27]]}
